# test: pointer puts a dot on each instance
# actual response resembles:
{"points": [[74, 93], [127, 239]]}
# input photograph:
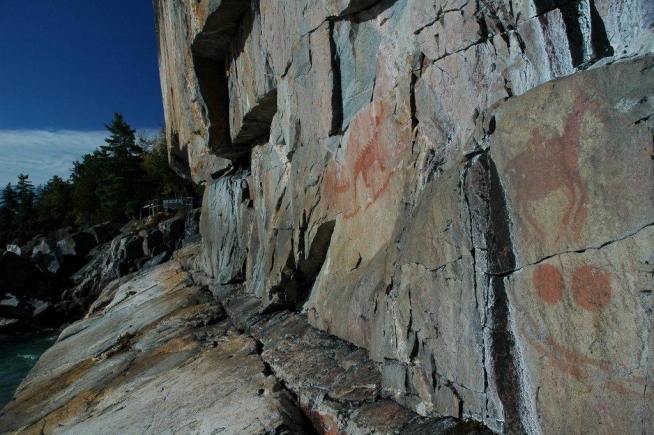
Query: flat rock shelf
{"points": [[166, 356]]}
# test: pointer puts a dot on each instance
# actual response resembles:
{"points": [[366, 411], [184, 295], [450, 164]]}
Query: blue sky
{"points": [[65, 67]]}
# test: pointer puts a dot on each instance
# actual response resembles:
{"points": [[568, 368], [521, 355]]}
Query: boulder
{"points": [[193, 223], [45, 316], [77, 245], [15, 249], [28, 248], [20, 277], [152, 239], [172, 230], [15, 312], [155, 261], [97, 256], [9, 326], [104, 232], [47, 257], [130, 247], [62, 233]]}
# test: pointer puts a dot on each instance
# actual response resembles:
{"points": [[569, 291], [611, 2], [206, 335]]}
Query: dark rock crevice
{"points": [[545, 6], [337, 91], [213, 87], [218, 29], [501, 258], [365, 7], [587, 38], [599, 38], [311, 262]]}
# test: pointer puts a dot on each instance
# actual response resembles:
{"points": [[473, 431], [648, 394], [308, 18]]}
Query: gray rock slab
{"points": [[160, 358]]}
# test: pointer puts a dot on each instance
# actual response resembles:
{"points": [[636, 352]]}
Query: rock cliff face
{"points": [[463, 188]]}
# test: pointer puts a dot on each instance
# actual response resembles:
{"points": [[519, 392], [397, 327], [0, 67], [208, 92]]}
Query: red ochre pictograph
{"points": [[374, 153], [590, 287], [548, 283], [551, 164]]}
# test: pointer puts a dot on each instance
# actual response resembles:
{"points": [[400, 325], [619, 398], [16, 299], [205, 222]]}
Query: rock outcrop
{"points": [[462, 188], [159, 354], [113, 368], [47, 283]]}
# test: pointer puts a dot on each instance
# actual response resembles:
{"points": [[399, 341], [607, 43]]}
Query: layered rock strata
{"points": [[159, 354], [47, 283], [160, 358], [462, 188]]}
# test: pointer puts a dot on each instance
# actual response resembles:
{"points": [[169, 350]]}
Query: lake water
{"points": [[17, 357]]}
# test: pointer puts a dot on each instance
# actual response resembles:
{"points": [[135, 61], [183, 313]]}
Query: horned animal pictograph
{"points": [[368, 177], [552, 164]]}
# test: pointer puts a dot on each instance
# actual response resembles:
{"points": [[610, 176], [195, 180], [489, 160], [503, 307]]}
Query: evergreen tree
{"points": [[108, 184], [8, 212], [120, 190], [159, 179], [86, 177], [26, 212], [54, 204]]}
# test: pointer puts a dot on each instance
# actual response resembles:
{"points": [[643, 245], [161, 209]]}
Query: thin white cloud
{"points": [[43, 154]]}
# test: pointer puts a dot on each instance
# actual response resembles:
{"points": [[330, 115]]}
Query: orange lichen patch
{"points": [[76, 407], [29, 402], [182, 344], [548, 283], [591, 287], [186, 345], [39, 392], [171, 316], [189, 312]]}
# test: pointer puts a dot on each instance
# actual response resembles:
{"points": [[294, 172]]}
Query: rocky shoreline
{"points": [[460, 191], [158, 353], [51, 281]]}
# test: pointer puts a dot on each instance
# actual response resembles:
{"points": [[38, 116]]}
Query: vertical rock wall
{"points": [[464, 188]]}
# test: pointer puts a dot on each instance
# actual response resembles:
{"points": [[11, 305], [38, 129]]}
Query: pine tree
{"points": [[54, 204], [160, 180], [86, 177], [26, 213], [120, 192], [8, 212]]}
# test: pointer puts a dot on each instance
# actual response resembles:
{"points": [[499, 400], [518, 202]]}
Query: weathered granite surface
{"points": [[158, 354], [160, 358], [463, 188]]}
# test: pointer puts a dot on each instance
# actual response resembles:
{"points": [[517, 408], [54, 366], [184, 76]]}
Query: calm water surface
{"points": [[17, 356]]}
